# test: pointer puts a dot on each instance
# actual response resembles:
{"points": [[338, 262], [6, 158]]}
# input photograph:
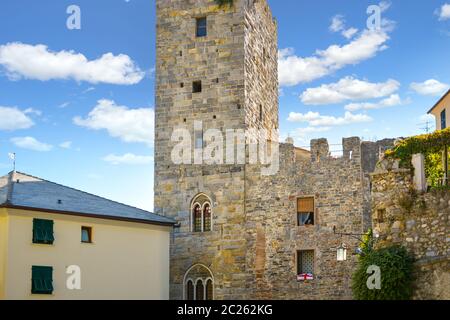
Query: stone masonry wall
{"points": [[273, 237], [236, 79], [419, 222]]}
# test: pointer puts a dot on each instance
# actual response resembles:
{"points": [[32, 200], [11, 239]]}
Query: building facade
{"points": [[441, 112], [49, 233], [243, 234]]}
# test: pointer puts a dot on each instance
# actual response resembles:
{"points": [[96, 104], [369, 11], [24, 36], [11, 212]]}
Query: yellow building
{"points": [[441, 111], [60, 243]]}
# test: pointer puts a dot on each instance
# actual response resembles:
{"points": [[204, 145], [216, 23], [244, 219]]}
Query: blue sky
{"points": [[67, 96]]}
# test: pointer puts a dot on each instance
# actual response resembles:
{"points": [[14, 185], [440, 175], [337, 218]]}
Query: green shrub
{"points": [[224, 2], [396, 266]]}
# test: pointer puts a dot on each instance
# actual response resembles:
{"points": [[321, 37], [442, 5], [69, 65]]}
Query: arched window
{"points": [[209, 290], [190, 290], [202, 288], [199, 290], [201, 215], [207, 217], [197, 218]]}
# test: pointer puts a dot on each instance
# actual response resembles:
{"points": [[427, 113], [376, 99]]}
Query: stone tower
{"points": [[216, 65]]}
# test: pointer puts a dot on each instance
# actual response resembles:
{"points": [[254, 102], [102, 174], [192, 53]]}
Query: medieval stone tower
{"points": [[242, 234], [218, 65]]}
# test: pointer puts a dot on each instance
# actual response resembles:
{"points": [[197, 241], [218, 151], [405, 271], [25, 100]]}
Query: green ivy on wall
{"points": [[224, 2], [396, 267], [425, 144]]}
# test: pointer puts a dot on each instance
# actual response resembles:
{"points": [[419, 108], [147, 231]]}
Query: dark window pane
{"points": [[209, 290], [199, 291], [190, 291], [443, 120], [197, 87], [207, 218], [197, 219], [202, 27]]}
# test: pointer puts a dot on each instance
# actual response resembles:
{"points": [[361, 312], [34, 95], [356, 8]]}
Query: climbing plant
{"points": [[396, 266], [224, 2], [425, 144]]}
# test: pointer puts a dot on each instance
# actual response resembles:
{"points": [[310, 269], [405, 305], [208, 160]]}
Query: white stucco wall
{"points": [[126, 261]]}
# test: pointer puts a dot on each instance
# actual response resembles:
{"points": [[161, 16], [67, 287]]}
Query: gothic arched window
{"points": [[202, 288], [201, 215], [190, 290]]}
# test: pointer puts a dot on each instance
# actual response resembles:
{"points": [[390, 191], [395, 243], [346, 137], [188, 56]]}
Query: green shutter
{"points": [[43, 231], [42, 280]]}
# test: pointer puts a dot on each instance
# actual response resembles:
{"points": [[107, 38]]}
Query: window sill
{"points": [[43, 244]]}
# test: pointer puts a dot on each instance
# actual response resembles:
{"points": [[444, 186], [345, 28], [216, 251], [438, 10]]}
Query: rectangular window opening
{"points": [[305, 264], [86, 234], [43, 231], [42, 280], [202, 27], [305, 212], [197, 87], [443, 120]]}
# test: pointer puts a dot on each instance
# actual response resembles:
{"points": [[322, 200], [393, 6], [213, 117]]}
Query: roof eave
{"points": [[8, 205], [440, 100]]}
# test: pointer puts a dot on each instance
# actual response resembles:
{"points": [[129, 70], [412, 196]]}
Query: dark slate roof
{"points": [[19, 190]]}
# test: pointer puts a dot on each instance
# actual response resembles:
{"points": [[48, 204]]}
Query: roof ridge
{"points": [[91, 194]]}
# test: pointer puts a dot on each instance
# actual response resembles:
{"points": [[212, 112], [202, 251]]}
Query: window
{"points": [[201, 214], [443, 120], [43, 231], [197, 218], [207, 217], [305, 262], [305, 211], [381, 213], [190, 291], [199, 290], [198, 139], [86, 234], [261, 115], [202, 288], [209, 290], [42, 280], [197, 87], [202, 27]]}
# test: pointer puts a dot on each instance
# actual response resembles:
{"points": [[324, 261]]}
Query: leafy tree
{"points": [[396, 266]]}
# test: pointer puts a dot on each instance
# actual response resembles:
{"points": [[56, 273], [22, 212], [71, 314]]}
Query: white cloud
{"points": [[128, 159], [338, 25], [39, 63], [301, 134], [391, 101], [346, 89], [294, 70], [129, 125], [31, 143], [66, 145], [32, 111], [14, 119], [315, 119], [349, 33], [430, 87], [444, 12]]}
